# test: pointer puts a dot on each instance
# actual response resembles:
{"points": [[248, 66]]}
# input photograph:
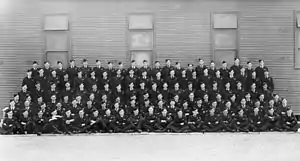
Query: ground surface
{"points": [[153, 147]]}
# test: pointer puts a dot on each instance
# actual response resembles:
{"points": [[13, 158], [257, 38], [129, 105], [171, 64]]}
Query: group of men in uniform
{"points": [[159, 99]]}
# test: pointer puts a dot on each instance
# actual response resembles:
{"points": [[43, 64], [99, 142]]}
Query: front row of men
{"points": [[151, 120]]}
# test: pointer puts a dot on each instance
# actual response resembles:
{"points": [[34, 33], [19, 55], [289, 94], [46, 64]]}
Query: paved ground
{"points": [[153, 147]]}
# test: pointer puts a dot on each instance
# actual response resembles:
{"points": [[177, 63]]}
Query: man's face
{"points": [[72, 63], [237, 62], [262, 63], [164, 112], [168, 62], [224, 65], [85, 63], [243, 101], [110, 65], [59, 65], [46, 65], [158, 74], [249, 65], [98, 63], [29, 74], [201, 62], [157, 64], [34, 65], [121, 66]]}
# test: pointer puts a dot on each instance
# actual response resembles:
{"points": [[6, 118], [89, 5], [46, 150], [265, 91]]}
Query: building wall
{"points": [[182, 33]]}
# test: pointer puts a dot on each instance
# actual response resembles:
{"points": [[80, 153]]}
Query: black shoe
{"points": [[39, 134]]}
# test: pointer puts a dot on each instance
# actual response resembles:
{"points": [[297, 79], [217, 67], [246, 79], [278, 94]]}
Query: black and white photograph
{"points": [[150, 80]]}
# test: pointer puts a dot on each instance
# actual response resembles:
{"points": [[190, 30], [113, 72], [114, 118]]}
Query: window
{"points": [[140, 37], [224, 32]]}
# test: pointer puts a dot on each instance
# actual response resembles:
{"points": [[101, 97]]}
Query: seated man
{"points": [[10, 124], [271, 121], [122, 122], [241, 121], [39, 123], [54, 123], [163, 121], [194, 121], [179, 123], [212, 123], [81, 122], [136, 120], [68, 120], [289, 121], [96, 123], [109, 121], [256, 119], [26, 123], [226, 121], [150, 119]]}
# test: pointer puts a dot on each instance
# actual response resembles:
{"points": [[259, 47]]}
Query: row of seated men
{"points": [[152, 119]]}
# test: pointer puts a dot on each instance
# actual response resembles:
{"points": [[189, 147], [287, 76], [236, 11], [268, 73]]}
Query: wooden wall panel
{"points": [[182, 28]]}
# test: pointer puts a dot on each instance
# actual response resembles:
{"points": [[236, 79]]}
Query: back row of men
{"points": [[168, 77]]}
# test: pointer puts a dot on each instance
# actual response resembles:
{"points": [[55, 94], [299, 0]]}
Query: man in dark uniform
{"points": [[256, 118], [171, 80], [81, 122], [110, 70], [39, 123], [224, 71], [249, 70], [158, 80], [189, 71], [96, 123], [268, 80], [289, 121], [85, 69], [183, 80], [226, 121], [212, 123], [241, 121], [117, 80], [42, 79], [68, 122], [123, 123], [163, 121], [187, 91], [260, 70], [89, 81], [145, 68], [178, 70], [251, 80], [34, 70], [156, 69], [55, 79], [109, 121], [254, 92], [26, 123], [78, 80], [60, 71], [195, 122], [134, 68], [153, 92], [38, 92], [236, 67], [205, 78], [10, 124], [54, 123], [98, 69], [167, 69], [72, 70], [29, 81], [271, 121], [136, 120], [144, 78], [131, 78], [150, 120], [212, 69], [267, 93], [180, 123], [200, 68]]}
